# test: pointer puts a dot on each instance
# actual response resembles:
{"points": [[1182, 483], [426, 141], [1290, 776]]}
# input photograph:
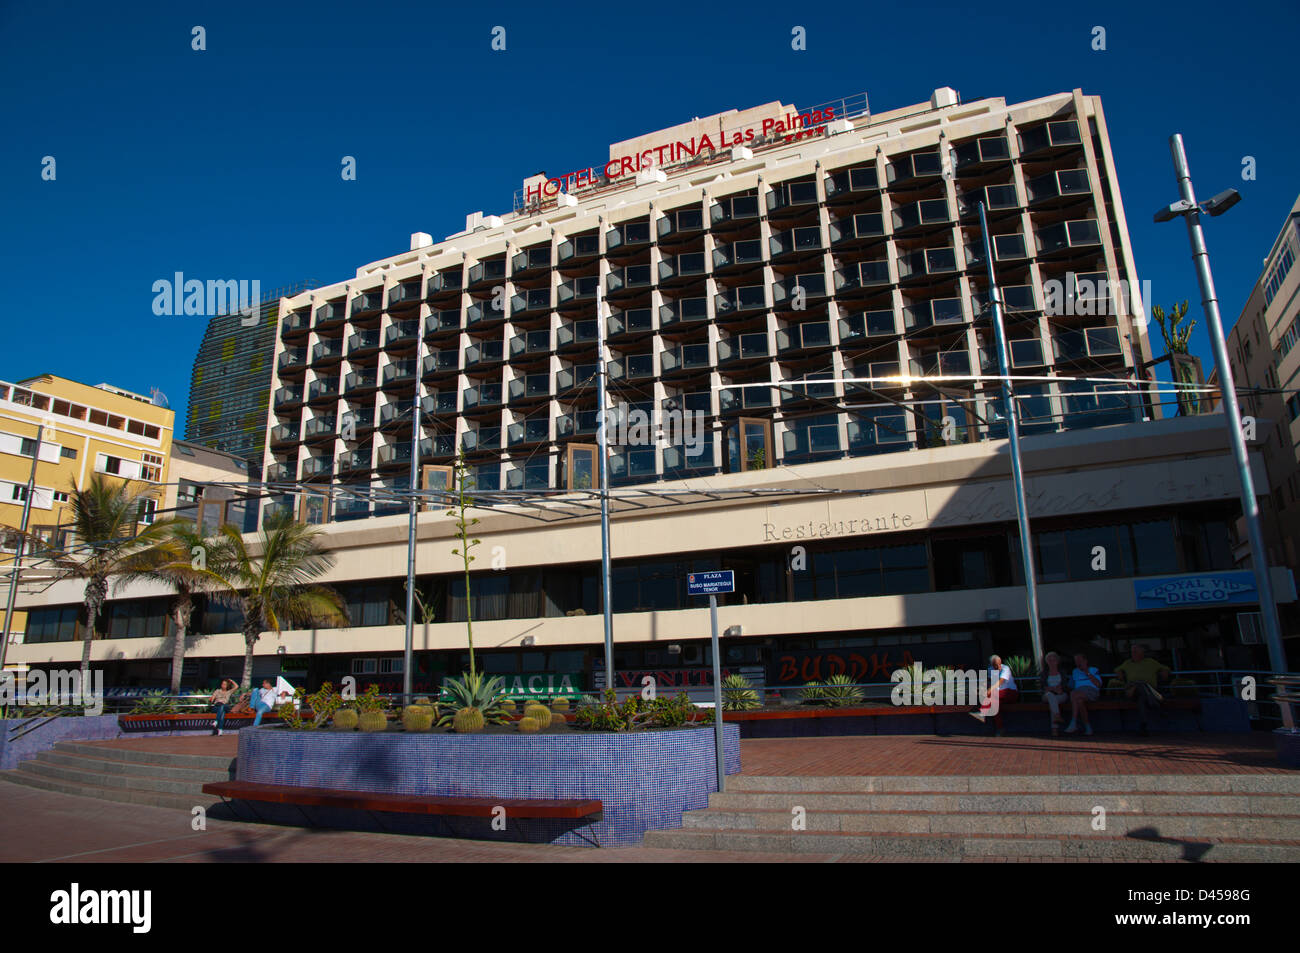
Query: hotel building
{"points": [[809, 288]]}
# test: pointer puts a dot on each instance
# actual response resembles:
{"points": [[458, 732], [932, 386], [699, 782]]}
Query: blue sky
{"points": [[225, 163]]}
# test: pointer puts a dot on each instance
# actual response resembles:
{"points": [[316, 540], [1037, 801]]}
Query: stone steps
{"points": [[1241, 818]]}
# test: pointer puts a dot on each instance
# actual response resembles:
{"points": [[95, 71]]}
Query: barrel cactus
{"points": [[372, 721], [467, 719], [417, 718], [558, 718], [345, 719], [508, 706], [539, 713], [559, 703], [528, 725]]}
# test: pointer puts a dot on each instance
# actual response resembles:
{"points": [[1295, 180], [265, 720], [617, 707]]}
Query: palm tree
{"points": [[274, 588], [105, 515], [178, 559]]}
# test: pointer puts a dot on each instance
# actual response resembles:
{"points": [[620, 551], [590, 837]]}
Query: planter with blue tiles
{"points": [[645, 779]]}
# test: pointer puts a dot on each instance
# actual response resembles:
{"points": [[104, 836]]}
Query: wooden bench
{"points": [[189, 721], [586, 810]]}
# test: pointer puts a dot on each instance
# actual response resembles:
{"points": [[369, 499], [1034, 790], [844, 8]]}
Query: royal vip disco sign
{"points": [[1219, 588]]}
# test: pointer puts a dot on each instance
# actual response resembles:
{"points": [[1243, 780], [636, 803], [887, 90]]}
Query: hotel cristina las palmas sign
{"points": [[1237, 586]]}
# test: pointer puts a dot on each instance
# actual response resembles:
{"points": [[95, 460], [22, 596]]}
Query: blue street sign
{"points": [[710, 583]]}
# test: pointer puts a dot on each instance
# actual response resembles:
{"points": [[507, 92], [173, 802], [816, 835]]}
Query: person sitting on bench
{"points": [[1140, 676], [1003, 690], [1085, 686], [1055, 685], [263, 701]]}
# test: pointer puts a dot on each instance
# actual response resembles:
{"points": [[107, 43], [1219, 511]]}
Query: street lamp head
{"points": [[1222, 202], [1170, 212]]}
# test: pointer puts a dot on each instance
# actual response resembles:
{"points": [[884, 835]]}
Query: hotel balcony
{"points": [[1005, 248], [577, 291], [954, 363], [1049, 138], [743, 349], [394, 454], [796, 244], [857, 230], [581, 377], [400, 374], [938, 312], [484, 354], [858, 328], [281, 473], [1015, 298], [915, 169], [851, 185], [445, 284], [809, 336], [996, 198], [292, 361], [630, 465], [320, 428], [326, 353], [1079, 344], [484, 398], [355, 461], [360, 422], [445, 322], [330, 315], [921, 217], [531, 304], [484, 274], [529, 433], [532, 475], [439, 405], [735, 399], [816, 438], [927, 263], [363, 344], [738, 256], [288, 398], [402, 335], [351, 508], [367, 304], [531, 261], [881, 431], [683, 269], [404, 295], [979, 155], [1057, 187], [685, 359], [578, 250], [579, 423], [358, 383], [1065, 238], [733, 212], [864, 276], [788, 200], [740, 305], [884, 376], [576, 335], [629, 282], [317, 468], [481, 440], [396, 416], [1026, 352], [683, 314], [484, 313], [284, 434], [531, 347], [682, 223], [690, 402], [630, 325], [627, 238], [323, 391], [441, 446], [631, 367], [786, 292], [814, 389], [530, 389], [439, 363], [295, 325]]}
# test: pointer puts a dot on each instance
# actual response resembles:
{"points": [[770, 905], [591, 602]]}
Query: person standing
{"points": [[1141, 676], [220, 701], [1085, 687]]}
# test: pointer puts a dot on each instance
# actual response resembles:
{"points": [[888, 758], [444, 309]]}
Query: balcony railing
{"points": [[1050, 135], [682, 221], [577, 334], [294, 358], [318, 390], [628, 235], [979, 151], [575, 424], [404, 294], [537, 258], [682, 266], [918, 165], [736, 208], [441, 362], [867, 324], [744, 398], [939, 311], [923, 213], [866, 225], [796, 240], [578, 289], [798, 287], [537, 430], [578, 248], [402, 333], [530, 387], [1064, 236], [371, 302], [441, 404], [486, 271], [862, 275], [295, 321], [361, 342], [330, 313], [813, 334], [792, 195], [737, 302], [576, 378], [484, 352], [437, 321], [484, 396], [1064, 183], [531, 344], [686, 357], [481, 439], [927, 262], [400, 372], [845, 182], [324, 351], [738, 254], [358, 381], [743, 348], [446, 281], [534, 301], [683, 311], [317, 466], [320, 427], [284, 433], [635, 321], [632, 367], [996, 198], [631, 278], [287, 397]]}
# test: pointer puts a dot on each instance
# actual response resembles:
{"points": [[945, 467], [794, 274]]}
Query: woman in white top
{"points": [[1054, 689]]}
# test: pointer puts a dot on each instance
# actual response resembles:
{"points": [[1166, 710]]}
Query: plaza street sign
{"points": [[710, 583]]}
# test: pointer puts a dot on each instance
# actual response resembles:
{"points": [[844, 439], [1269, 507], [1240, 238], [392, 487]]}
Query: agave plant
{"points": [[478, 692], [811, 693], [1020, 665], [738, 694], [839, 691]]}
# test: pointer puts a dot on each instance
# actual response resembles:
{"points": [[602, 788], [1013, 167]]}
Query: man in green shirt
{"points": [[1140, 675]]}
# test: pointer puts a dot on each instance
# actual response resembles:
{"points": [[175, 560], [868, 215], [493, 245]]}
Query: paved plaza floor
{"points": [[43, 826]]}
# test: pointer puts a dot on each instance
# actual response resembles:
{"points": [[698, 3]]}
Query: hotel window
{"points": [[364, 666], [148, 510], [390, 666], [60, 496], [19, 492], [151, 467], [68, 453]]}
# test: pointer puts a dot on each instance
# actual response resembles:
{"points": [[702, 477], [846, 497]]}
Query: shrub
{"points": [[811, 693], [838, 691], [738, 694], [322, 704], [1021, 666], [634, 713]]}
